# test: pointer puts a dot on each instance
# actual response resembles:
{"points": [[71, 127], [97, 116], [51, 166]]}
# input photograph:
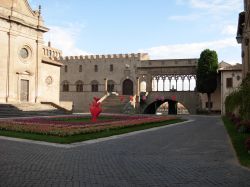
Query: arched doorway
{"points": [[127, 87], [111, 86]]}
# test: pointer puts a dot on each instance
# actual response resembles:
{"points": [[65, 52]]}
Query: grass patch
{"points": [[238, 141], [86, 136]]}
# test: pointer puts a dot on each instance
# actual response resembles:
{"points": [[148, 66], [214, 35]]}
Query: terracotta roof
{"points": [[51, 61], [223, 64], [232, 67]]}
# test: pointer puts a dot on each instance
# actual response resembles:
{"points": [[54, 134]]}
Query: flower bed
{"points": [[72, 125]]}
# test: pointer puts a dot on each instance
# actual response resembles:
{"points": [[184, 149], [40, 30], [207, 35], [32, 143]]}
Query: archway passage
{"points": [[127, 87], [152, 108]]}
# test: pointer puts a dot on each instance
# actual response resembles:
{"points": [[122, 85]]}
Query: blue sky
{"points": [[163, 28]]}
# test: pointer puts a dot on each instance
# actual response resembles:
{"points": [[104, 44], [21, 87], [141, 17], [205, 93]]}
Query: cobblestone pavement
{"points": [[191, 154]]}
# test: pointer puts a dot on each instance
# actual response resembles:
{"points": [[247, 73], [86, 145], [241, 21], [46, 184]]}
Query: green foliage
{"points": [[245, 105], [233, 101], [207, 72], [240, 99], [238, 141]]}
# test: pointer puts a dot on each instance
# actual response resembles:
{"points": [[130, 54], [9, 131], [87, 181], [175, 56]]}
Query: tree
{"points": [[207, 74]]}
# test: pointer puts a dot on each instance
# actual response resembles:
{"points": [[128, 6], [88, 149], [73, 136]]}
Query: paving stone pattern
{"points": [[192, 154]]}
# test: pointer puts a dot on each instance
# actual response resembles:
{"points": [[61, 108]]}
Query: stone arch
{"points": [[128, 87], [152, 107], [191, 100]]}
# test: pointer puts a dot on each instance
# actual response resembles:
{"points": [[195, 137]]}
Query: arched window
{"points": [[111, 86], [65, 86], [94, 86], [79, 86]]}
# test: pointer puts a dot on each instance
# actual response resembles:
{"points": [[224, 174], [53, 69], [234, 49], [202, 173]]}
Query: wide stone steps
{"points": [[113, 104], [27, 110]]}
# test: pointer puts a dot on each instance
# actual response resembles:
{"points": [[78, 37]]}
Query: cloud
{"points": [[229, 30], [65, 39], [212, 8], [216, 6], [190, 17], [189, 50]]}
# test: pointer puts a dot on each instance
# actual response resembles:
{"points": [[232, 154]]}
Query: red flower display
{"points": [[95, 109]]}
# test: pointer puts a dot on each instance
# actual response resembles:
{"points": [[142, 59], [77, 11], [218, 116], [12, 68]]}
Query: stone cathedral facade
{"points": [[28, 70]]}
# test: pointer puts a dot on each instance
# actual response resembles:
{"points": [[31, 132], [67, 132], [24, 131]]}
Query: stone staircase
{"points": [[114, 104], [28, 109]]}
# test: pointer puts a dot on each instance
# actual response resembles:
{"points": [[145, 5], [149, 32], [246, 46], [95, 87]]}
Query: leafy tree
{"points": [[207, 74]]}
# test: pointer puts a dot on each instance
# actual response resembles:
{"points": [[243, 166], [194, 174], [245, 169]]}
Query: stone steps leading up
{"points": [[113, 104], [27, 110]]}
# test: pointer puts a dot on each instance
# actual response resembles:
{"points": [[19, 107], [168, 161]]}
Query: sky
{"points": [[165, 29]]}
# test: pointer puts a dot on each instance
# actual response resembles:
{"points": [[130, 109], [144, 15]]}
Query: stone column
{"points": [[170, 78], [10, 68], [183, 78], [149, 83], [138, 86], [138, 89], [157, 84], [189, 78], [176, 79], [163, 78], [38, 78]]}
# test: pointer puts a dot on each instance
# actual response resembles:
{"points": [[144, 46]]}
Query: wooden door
{"points": [[127, 87], [24, 95]]}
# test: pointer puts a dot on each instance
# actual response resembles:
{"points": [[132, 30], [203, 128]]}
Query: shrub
{"points": [[246, 125], [233, 101], [247, 143], [245, 105]]}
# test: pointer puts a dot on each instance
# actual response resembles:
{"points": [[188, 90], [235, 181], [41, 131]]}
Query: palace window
{"points": [[229, 82], [111, 68], [65, 86], [94, 86], [65, 69], [80, 68], [96, 68], [79, 86]]}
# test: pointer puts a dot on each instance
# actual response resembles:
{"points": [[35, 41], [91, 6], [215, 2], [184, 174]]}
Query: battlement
{"points": [[139, 56]]}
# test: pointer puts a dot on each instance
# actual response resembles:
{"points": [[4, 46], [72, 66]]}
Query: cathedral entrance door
{"points": [[24, 94], [127, 87]]}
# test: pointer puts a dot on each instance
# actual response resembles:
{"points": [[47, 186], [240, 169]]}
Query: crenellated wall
{"points": [[139, 56], [97, 68]]}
